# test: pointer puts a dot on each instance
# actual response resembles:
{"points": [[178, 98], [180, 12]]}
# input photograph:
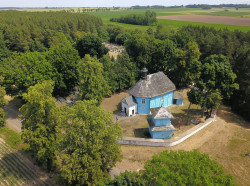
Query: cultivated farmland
{"points": [[175, 24], [210, 19], [15, 169]]}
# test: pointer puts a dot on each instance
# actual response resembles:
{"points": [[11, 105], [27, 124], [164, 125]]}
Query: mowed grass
{"points": [[12, 138], [172, 24]]}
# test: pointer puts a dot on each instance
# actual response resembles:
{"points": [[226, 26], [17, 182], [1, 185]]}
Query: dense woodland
{"points": [[148, 19], [50, 53]]}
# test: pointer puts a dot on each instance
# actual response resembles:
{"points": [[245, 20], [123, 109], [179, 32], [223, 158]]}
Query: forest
{"points": [[48, 54], [149, 19]]}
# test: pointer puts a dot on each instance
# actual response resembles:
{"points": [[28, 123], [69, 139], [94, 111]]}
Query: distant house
{"points": [[152, 91], [160, 126]]}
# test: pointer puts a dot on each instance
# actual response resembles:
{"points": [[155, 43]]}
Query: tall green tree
{"points": [[4, 52], [25, 70], [217, 76], [185, 67], [194, 97], [140, 48], [87, 136], [110, 72], [126, 71], [91, 79], [91, 44], [65, 61], [3, 103], [39, 123]]}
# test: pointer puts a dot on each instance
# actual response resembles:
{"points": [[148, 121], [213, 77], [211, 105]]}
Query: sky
{"points": [[110, 3]]}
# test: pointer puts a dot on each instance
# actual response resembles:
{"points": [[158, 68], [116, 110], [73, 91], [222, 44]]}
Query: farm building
{"points": [[160, 126]]}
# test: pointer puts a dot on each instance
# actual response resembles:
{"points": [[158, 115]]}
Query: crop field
{"points": [[15, 169], [174, 24], [210, 19]]}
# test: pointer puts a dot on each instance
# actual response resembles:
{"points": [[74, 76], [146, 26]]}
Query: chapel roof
{"points": [[154, 85], [161, 113]]}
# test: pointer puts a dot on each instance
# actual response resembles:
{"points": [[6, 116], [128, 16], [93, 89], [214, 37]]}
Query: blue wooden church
{"points": [[152, 94], [152, 91]]}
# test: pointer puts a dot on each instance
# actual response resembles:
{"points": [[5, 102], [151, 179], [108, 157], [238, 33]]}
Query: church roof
{"points": [[154, 85], [129, 101], [161, 113]]}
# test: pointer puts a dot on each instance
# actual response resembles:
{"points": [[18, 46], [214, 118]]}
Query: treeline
{"points": [[180, 55], [193, 6], [236, 47], [35, 31], [219, 6], [148, 19]]}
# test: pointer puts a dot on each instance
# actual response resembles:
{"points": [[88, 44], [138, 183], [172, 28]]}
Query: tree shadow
{"points": [[16, 170], [225, 113], [142, 133]]}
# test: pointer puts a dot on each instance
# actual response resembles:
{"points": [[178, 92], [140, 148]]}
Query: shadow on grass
{"points": [[14, 169], [225, 113]]}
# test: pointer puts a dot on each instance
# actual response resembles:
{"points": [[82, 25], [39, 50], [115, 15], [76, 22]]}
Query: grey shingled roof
{"points": [[162, 113], [154, 85], [178, 96], [129, 101]]}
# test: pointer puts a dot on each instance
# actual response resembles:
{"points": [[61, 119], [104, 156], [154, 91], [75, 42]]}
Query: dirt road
{"points": [[13, 121]]}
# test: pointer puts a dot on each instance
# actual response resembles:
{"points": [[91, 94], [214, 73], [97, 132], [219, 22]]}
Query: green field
{"points": [[170, 24], [167, 24]]}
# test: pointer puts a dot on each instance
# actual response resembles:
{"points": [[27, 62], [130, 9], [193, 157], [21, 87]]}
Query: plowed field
{"points": [[226, 20]]}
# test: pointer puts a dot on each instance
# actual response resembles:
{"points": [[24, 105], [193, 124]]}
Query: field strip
{"points": [[226, 20], [16, 169]]}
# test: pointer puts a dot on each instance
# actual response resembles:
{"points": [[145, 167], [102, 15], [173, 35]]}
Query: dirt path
{"points": [[13, 121], [210, 19]]}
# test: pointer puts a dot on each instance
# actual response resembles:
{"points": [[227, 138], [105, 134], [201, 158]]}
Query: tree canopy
{"points": [[65, 61], [92, 83], [39, 123], [91, 44], [25, 70], [3, 103], [87, 137], [148, 19]]}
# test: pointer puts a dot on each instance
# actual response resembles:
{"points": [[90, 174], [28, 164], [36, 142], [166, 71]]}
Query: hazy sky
{"points": [[109, 3]]}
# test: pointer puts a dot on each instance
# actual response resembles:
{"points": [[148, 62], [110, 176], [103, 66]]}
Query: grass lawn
{"points": [[137, 126], [12, 138]]}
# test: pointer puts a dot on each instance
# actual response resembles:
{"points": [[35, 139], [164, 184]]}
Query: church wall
{"points": [[143, 108], [161, 122], [161, 134]]}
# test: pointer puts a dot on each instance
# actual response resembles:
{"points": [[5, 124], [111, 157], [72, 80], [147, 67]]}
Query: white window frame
{"points": [[143, 101]]}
